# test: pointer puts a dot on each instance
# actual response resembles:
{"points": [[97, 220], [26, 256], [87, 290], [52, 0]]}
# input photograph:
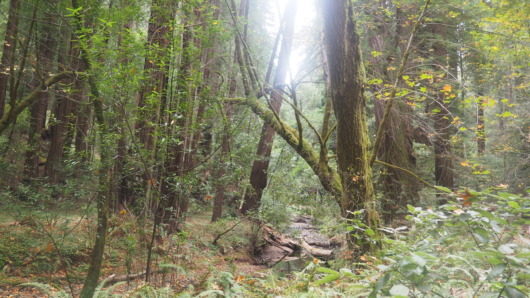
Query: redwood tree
{"points": [[347, 77]]}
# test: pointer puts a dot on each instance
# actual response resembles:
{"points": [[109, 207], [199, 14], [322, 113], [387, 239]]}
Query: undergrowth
{"points": [[477, 245]]}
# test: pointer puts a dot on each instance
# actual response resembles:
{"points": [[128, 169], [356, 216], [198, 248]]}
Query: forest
{"points": [[264, 148]]}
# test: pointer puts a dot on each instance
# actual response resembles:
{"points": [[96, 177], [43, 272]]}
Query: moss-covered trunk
{"points": [[347, 79], [399, 188]]}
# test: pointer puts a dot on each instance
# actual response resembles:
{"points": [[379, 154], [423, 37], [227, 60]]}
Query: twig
{"points": [[223, 233], [408, 172], [284, 256], [126, 277]]}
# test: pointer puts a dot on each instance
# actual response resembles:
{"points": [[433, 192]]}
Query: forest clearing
{"points": [[264, 148]]}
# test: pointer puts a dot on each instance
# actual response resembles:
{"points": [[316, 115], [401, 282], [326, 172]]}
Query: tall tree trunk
{"points": [[174, 204], [45, 53], [102, 199], [83, 121], [258, 175], [399, 188], [225, 150], [481, 130], [153, 92], [63, 110], [347, 77], [9, 47], [120, 189], [443, 159], [223, 160]]}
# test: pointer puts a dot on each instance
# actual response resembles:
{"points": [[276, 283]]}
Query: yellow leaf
{"points": [[466, 196], [447, 88], [465, 164], [49, 248]]}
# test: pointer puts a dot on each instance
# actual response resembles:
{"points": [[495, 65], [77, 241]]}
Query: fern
{"points": [[47, 289]]}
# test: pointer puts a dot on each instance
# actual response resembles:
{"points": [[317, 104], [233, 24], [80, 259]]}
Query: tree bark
{"points": [[9, 47], [103, 199], [481, 130], [46, 47], [399, 188], [443, 159], [153, 92], [347, 78]]}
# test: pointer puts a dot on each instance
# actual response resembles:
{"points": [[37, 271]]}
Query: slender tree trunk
{"points": [[443, 159], [258, 175], [54, 162], [8, 57], [347, 78], [481, 129], [103, 199], [153, 92], [225, 151], [223, 159], [399, 188], [60, 130], [45, 54], [83, 120]]}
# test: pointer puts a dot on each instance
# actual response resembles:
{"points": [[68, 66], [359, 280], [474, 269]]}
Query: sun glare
{"points": [[305, 17]]}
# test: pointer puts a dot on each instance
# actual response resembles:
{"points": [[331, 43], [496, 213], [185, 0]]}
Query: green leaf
{"points": [[494, 261], [327, 278], [425, 76], [419, 260], [481, 234], [514, 205], [506, 249], [399, 290], [382, 282], [328, 271], [513, 292], [347, 272], [444, 189], [370, 232], [496, 271]]}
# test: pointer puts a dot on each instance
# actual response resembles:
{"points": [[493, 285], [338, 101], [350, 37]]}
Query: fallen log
{"points": [[282, 247], [112, 279]]}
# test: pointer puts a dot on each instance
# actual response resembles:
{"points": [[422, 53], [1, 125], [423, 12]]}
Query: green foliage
{"points": [[224, 284], [480, 249]]}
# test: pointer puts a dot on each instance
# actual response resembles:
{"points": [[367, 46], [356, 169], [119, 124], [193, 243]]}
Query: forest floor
{"points": [[51, 249]]}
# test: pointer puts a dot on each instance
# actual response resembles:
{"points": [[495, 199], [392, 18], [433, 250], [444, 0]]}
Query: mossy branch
{"points": [[328, 177], [13, 113]]}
